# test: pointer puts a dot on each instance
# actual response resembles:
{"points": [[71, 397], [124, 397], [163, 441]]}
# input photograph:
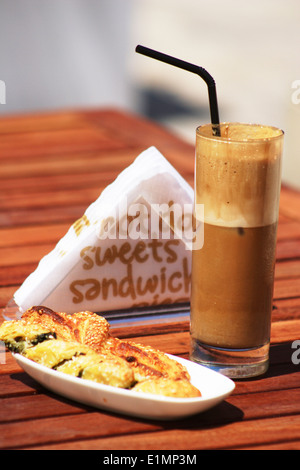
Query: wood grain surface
{"points": [[52, 166]]}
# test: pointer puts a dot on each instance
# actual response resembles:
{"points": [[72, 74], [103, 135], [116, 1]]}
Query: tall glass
{"points": [[237, 178]]}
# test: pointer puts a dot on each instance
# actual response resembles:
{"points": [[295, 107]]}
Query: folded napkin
{"points": [[131, 248]]}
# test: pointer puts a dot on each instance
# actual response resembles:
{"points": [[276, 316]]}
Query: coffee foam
{"points": [[238, 175]]}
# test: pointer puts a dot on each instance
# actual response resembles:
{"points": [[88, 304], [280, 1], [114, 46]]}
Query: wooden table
{"points": [[52, 167]]}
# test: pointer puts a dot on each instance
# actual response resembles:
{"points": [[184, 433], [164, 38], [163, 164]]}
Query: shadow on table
{"points": [[219, 415], [283, 360]]}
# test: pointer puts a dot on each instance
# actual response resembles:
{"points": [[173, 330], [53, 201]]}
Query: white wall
{"points": [[251, 49], [71, 53], [64, 53]]}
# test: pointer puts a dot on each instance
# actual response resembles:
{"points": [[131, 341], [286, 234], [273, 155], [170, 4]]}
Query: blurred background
{"points": [[62, 54]]}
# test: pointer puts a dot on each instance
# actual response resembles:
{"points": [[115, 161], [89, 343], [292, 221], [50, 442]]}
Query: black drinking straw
{"points": [[212, 93]]}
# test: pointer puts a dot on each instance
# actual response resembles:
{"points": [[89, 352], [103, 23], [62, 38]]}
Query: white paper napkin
{"points": [[128, 249]]}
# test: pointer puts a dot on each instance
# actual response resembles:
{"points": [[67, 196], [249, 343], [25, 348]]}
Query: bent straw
{"points": [[212, 93]]}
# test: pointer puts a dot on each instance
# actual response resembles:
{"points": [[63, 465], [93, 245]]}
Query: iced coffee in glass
{"points": [[237, 178]]}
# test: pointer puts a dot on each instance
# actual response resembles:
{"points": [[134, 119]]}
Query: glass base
{"points": [[234, 363]]}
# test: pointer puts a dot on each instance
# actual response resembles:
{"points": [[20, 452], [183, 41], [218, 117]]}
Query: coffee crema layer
{"points": [[238, 174]]}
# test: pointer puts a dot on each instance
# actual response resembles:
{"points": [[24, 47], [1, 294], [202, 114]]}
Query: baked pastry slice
{"points": [[178, 388], [81, 361], [40, 323], [54, 352], [85, 327], [146, 362], [93, 330], [108, 370], [80, 344], [19, 335]]}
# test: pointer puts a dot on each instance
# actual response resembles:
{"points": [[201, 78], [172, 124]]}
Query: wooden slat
{"points": [[239, 435], [89, 162], [21, 218], [42, 143], [18, 123], [287, 269], [32, 235]]}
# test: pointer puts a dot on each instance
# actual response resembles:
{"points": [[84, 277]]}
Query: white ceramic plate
{"points": [[214, 388]]}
